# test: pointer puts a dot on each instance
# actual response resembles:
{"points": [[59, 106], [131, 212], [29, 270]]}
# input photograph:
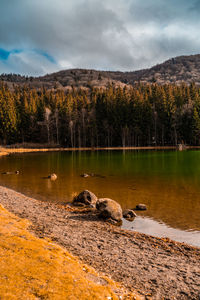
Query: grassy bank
{"points": [[33, 268]]}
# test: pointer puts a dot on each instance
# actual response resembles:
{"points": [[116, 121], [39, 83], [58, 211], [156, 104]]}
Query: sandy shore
{"points": [[9, 151], [157, 268], [13, 150]]}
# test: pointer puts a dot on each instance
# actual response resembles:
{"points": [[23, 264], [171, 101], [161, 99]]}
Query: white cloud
{"points": [[26, 62], [103, 34]]}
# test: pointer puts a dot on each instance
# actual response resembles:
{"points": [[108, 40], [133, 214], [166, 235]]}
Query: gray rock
{"points": [[109, 208], [85, 198], [129, 214], [141, 207]]}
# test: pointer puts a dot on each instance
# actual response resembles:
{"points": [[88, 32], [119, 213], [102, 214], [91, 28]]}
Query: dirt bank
{"points": [[157, 268]]}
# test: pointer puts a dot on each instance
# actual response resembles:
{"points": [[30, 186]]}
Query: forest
{"points": [[142, 115]]}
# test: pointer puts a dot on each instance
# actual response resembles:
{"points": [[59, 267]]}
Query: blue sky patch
{"points": [[4, 54], [46, 55]]}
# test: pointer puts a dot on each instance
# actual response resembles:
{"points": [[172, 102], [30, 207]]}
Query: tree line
{"points": [[142, 115]]}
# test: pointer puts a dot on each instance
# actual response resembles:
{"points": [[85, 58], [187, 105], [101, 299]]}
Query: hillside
{"points": [[67, 79], [176, 70]]}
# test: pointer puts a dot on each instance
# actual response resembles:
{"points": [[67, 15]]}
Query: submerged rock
{"points": [[53, 176], [85, 175], [11, 173], [141, 207], [109, 208], [129, 214], [85, 198]]}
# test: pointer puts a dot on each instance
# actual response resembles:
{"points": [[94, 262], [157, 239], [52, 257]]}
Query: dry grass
{"points": [[33, 268]]}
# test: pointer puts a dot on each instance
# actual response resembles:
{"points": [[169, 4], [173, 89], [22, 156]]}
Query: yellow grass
{"points": [[33, 268]]}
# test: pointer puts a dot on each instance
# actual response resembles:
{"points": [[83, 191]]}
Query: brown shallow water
{"points": [[168, 182]]}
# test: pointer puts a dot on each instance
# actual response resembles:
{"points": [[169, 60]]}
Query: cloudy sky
{"points": [[42, 36]]}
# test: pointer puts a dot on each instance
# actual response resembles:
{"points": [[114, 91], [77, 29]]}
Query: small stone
{"points": [[129, 214], [10, 173], [53, 176], [85, 175], [141, 207]]}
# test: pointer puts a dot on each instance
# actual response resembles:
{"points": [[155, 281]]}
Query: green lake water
{"points": [[168, 182]]}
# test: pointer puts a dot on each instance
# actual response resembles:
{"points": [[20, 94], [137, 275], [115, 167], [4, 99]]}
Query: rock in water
{"points": [[109, 208], [85, 198], [53, 176], [85, 175], [129, 214], [11, 173], [141, 207]]}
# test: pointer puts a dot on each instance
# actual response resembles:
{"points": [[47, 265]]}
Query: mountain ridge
{"points": [[176, 70]]}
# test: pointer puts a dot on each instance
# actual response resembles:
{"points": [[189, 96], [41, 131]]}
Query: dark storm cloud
{"points": [[103, 34]]}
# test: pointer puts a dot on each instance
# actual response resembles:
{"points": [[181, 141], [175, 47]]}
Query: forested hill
{"points": [[143, 115], [176, 70], [79, 108]]}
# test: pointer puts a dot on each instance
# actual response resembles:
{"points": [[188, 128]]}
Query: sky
{"points": [[44, 36]]}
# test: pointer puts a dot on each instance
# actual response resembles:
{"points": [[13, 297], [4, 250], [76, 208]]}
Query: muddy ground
{"points": [[156, 268]]}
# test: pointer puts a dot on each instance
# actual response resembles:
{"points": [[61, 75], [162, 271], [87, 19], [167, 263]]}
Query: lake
{"points": [[168, 182]]}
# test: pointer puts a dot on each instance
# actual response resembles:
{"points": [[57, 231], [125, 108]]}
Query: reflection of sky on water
{"points": [[154, 228]]}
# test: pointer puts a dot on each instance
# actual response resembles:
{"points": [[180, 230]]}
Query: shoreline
{"points": [[24, 255], [152, 266], [8, 151]]}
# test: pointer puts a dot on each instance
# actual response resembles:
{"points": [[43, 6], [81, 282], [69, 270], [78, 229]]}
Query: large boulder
{"points": [[85, 198], [109, 208]]}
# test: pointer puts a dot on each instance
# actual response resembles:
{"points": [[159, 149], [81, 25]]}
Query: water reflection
{"points": [[151, 227], [168, 182]]}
